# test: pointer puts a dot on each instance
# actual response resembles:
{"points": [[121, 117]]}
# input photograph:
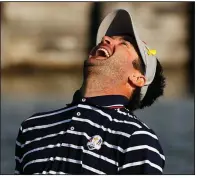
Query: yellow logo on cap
{"points": [[152, 52]]}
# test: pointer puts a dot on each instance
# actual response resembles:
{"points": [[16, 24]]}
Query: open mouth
{"points": [[102, 52]]}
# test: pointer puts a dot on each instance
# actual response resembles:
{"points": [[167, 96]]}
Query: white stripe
{"points": [[140, 163], [97, 110], [109, 116], [17, 158], [102, 127], [132, 116], [18, 143], [127, 122], [140, 132], [145, 147], [51, 114], [101, 157], [41, 138], [79, 133], [141, 122], [92, 169], [113, 105], [50, 146], [127, 109], [21, 129], [46, 126], [16, 172], [66, 160], [70, 146], [145, 125], [52, 159], [35, 161], [114, 147], [53, 172], [124, 113]]}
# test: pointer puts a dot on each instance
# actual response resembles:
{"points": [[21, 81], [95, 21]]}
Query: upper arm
{"points": [[143, 155]]}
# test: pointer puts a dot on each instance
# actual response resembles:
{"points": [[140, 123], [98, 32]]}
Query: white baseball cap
{"points": [[120, 22]]}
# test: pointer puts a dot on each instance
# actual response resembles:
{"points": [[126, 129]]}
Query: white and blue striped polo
{"points": [[95, 135]]}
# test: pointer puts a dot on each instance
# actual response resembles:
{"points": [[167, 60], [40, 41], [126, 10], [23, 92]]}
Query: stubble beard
{"points": [[105, 74]]}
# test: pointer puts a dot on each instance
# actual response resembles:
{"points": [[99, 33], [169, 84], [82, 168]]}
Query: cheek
{"points": [[122, 55], [127, 63], [127, 59], [122, 63], [131, 56], [122, 60]]}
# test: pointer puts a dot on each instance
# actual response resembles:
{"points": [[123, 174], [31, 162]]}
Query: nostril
{"points": [[107, 41]]}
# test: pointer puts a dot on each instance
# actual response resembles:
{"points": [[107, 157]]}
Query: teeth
{"points": [[105, 51]]}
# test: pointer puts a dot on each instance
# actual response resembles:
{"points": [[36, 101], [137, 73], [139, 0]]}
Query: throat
{"points": [[99, 87]]}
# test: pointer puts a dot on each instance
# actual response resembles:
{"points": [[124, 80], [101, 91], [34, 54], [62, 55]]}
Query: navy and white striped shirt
{"points": [[95, 135]]}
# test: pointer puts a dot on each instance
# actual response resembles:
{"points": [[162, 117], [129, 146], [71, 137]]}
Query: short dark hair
{"points": [[154, 91]]}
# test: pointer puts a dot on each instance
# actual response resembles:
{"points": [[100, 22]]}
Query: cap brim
{"points": [[118, 22]]}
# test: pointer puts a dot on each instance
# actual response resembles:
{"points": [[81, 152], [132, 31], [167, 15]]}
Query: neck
{"points": [[98, 87]]}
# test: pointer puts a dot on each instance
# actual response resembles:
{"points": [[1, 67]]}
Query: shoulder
{"points": [[145, 144], [132, 120], [42, 117], [140, 133], [125, 121], [145, 138]]}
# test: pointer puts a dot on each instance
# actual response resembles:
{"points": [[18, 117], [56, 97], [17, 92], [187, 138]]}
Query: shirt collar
{"points": [[109, 101]]}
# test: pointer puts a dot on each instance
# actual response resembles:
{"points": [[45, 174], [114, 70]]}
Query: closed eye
{"points": [[124, 43]]}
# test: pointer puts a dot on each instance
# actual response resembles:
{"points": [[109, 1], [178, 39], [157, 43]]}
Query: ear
{"points": [[137, 79]]}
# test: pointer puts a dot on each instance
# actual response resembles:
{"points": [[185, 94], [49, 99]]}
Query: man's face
{"points": [[113, 57]]}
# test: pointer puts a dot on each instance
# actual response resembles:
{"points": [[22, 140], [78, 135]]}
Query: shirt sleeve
{"points": [[19, 152], [143, 154]]}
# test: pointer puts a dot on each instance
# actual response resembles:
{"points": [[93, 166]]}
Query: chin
{"points": [[95, 61]]}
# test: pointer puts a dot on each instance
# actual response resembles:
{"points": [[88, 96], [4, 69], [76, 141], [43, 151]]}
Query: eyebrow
{"points": [[130, 39], [127, 38]]}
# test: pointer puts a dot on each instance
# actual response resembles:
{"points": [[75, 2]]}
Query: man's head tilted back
{"points": [[121, 63]]}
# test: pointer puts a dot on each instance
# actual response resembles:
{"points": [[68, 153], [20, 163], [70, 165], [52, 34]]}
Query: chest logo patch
{"points": [[95, 142]]}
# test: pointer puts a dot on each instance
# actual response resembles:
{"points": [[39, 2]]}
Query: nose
{"points": [[107, 40]]}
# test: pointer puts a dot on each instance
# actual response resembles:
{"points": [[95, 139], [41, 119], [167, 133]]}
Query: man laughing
{"points": [[97, 133]]}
